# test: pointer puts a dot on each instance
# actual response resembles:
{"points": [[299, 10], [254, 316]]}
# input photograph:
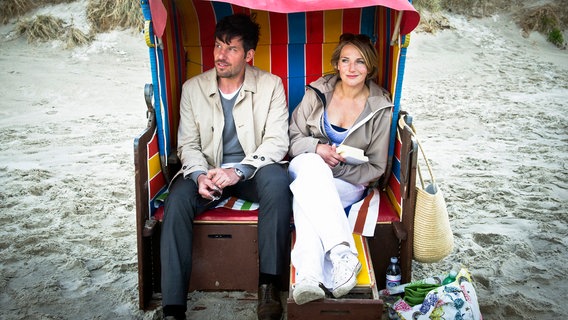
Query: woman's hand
{"points": [[329, 154]]}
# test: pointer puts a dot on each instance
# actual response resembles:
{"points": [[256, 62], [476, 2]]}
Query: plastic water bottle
{"points": [[450, 278], [394, 274]]}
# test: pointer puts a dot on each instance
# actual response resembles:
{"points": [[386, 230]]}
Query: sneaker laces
{"points": [[345, 265]]}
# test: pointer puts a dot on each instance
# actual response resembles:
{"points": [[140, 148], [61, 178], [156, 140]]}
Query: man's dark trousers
{"points": [[269, 187]]}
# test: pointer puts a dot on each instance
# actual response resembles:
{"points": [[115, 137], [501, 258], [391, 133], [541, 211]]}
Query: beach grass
{"points": [[105, 15], [76, 38], [10, 9], [41, 28], [102, 15], [548, 19]]}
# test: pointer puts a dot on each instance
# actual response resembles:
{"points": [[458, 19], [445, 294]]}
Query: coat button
{"points": [[255, 157], [261, 158], [184, 167]]}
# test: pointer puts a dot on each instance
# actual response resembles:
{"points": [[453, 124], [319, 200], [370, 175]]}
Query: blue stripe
{"points": [[154, 203], [297, 27], [296, 57], [398, 94], [221, 9], [155, 63], [368, 16], [146, 9], [158, 79], [180, 53], [162, 110], [396, 167]]}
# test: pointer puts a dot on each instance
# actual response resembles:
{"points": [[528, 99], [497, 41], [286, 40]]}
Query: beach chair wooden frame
{"points": [[297, 38]]}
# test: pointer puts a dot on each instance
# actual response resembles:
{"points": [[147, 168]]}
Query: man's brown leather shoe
{"points": [[269, 305]]}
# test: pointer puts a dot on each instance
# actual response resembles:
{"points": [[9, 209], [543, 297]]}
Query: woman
{"points": [[349, 108]]}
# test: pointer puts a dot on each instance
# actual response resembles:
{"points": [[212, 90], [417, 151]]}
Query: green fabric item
{"points": [[414, 294]]}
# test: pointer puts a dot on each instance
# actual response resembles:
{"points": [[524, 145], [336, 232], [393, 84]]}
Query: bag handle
{"points": [[402, 123]]}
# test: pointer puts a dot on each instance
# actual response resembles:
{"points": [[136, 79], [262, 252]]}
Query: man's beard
{"points": [[227, 72]]}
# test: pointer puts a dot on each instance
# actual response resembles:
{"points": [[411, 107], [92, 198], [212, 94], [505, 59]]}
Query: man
{"points": [[232, 136]]}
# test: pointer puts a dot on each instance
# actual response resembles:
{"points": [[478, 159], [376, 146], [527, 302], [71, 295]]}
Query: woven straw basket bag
{"points": [[433, 237]]}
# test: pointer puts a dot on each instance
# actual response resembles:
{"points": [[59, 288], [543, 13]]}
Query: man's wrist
{"points": [[195, 176]]}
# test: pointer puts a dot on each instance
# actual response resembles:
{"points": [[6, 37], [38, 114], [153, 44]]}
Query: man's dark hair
{"points": [[238, 25]]}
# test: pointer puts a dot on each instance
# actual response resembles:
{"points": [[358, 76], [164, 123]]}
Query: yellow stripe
{"points": [[394, 64], [363, 279], [331, 32], [262, 54], [147, 24], [154, 165], [190, 28], [393, 200], [406, 41]]}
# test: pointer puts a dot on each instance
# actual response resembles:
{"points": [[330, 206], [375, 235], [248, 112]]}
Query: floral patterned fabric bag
{"points": [[456, 300]]}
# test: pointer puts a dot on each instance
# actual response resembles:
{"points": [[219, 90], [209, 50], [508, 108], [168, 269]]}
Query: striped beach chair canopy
{"points": [[296, 41], [297, 38]]}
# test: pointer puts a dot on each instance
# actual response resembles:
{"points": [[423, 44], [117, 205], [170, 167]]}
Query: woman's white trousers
{"points": [[319, 216]]}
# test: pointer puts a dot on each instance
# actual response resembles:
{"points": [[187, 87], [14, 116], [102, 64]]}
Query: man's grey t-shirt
{"points": [[232, 149]]}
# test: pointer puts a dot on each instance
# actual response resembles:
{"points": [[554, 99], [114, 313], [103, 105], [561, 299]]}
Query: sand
{"points": [[490, 106], [491, 109]]}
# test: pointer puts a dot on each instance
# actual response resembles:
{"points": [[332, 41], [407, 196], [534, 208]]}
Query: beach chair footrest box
{"points": [[225, 256], [362, 303]]}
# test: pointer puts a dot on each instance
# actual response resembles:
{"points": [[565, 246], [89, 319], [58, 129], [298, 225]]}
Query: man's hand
{"points": [[223, 178], [207, 189], [329, 154]]}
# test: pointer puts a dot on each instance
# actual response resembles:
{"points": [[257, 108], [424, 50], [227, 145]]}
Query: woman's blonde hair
{"points": [[363, 43]]}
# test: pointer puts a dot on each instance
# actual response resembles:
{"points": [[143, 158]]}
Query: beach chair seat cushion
{"points": [[239, 211]]}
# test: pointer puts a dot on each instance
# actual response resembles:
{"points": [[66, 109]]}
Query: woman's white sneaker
{"points": [[345, 271], [306, 291]]}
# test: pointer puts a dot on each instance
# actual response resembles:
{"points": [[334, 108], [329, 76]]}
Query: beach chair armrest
{"points": [[149, 228], [399, 230]]}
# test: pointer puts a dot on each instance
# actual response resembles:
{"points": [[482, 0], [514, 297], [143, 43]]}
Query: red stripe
{"points": [[397, 147], [170, 41], [227, 216], [153, 147], [159, 214], [239, 9], [387, 213], [207, 24], [178, 67], [362, 214], [156, 184], [231, 202], [279, 47], [165, 53], [314, 40], [393, 181], [394, 184], [352, 21]]}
